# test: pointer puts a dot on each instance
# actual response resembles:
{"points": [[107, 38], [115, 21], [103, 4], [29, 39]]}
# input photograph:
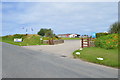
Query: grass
{"points": [[27, 40], [70, 38], [0, 39], [91, 54]]}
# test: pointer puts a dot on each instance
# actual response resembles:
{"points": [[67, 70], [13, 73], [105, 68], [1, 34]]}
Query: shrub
{"points": [[108, 42], [101, 34]]}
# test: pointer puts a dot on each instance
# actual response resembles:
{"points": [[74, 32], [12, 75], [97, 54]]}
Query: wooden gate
{"points": [[85, 42]]}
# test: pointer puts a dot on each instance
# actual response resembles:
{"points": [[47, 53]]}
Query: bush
{"points": [[108, 42], [101, 34]]}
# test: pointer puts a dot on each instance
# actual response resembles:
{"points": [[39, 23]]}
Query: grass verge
{"points": [[110, 56], [70, 38]]}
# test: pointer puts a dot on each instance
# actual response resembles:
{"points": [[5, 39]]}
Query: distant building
{"points": [[68, 35], [63, 35], [105, 32], [74, 35]]}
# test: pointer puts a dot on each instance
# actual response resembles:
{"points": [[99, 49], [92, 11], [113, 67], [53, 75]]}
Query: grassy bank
{"points": [[110, 57], [27, 40]]}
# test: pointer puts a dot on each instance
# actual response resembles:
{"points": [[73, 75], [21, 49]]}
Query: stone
{"points": [[100, 58], [81, 48], [78, 53]]}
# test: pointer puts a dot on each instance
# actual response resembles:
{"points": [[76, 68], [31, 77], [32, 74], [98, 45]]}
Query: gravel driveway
{"points": [[64, 49]]}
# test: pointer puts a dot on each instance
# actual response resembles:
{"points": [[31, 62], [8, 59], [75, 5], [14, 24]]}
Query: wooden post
{"points": [[88, 41], [82, 42], [52, 42], [49, 42]]}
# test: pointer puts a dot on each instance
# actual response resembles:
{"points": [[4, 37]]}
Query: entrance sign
{"points": [[94, 35], [17, 39]]}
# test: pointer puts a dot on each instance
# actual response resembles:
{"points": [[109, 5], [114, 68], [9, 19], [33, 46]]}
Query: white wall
{"points": [[72, 35]]}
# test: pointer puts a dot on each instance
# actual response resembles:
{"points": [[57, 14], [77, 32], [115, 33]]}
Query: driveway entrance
{"points": [[65, 49]]}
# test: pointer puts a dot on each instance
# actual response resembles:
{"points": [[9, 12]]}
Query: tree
{"points": [[49, 34], [114, 28], [43, 31]]}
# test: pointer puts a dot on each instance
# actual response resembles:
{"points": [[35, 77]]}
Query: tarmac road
{"points": [[18, 62]]}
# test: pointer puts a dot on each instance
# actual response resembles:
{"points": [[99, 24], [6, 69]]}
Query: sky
{"points": [[61, 17], [60, 0]]}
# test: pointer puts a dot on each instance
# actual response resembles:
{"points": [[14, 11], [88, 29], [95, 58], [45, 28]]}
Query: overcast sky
{"points": [[69, 17]]}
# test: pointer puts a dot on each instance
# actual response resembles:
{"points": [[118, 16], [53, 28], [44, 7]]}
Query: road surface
{"points": [[18, 62]]}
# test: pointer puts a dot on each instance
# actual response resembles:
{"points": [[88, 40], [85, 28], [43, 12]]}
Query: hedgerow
{"points": [[101, 34], [108, 42]]}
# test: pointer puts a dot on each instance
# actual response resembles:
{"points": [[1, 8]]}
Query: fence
{"points": [[52, 42], [87, 42]]}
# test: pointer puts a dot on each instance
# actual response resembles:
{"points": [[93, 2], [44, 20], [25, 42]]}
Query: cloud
{"points": [[0, 19], [62, 17], [60, 1]]}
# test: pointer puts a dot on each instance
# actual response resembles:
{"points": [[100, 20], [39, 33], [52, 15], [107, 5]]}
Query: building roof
{"points": [[63, 34]]}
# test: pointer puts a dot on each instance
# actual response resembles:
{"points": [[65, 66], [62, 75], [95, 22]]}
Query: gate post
{"points": [[82, 42], [88, 42]]}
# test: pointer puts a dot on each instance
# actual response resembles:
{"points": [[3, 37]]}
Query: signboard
{"points": [[94, 35], [17, 39]]}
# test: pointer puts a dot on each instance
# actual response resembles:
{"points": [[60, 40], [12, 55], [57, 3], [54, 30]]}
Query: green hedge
{"points": [[108, 42], [101, 34]]}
